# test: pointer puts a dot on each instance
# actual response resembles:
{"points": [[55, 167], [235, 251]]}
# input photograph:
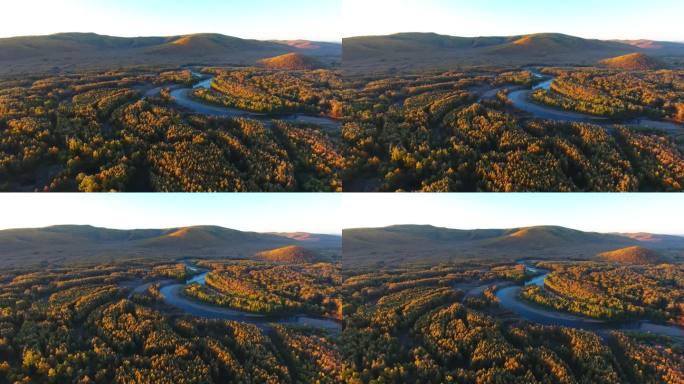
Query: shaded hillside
{"points": [[324, 240], [23, 47], [291, 61], [78, 51], [416, 244], [541, 238], [411, 51], [631, 255], [320, 48], [62, 244], [207, 44], [288, 254], [633, 62], [547, 45]]}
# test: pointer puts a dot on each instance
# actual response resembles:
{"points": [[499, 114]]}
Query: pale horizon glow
{"points": [[249, 19], [329, 213], [257, 212], [607, 213], [605, 19]]}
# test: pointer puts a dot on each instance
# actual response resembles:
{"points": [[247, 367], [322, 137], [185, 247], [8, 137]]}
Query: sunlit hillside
{"points": [[291, 61], [633, 61]]}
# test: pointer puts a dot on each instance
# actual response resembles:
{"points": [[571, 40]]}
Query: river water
{"points": [[184, 98], [509, 299], [521, 100], [173, 295]]}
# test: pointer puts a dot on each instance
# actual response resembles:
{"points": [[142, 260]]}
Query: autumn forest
{"points": [[302, 125], [341, 192]]}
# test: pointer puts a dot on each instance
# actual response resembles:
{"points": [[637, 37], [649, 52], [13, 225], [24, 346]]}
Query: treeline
{"points": [[608, 292], [620, 95], [318, 92], [272, 289]]}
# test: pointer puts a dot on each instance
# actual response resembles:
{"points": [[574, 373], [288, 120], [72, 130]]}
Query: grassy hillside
{"points": [[426, 244], [291, 61], [79, 51], [318, 47], [631, 255], [288, 254], [633, 62], [208, 44], [23, 47], [64, 244], [323, 240], [412, 51]]}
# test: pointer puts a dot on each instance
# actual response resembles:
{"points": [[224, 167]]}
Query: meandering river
{"points": [[184, 98], [172, 293], [509, 299], [520, 99]]}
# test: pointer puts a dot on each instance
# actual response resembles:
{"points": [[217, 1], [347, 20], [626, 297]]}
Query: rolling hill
{"points": [[631, 255], [416, 243], [633, 62], [78, 51], [64, 244], [291, 61], [319, 47], [288, 254], [412, 51], [211, 44], [309, 237]]}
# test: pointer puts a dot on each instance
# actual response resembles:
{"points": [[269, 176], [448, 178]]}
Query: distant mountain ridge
{"points": [[416, 50], [65, 51], [57, 244], [423, 243]]}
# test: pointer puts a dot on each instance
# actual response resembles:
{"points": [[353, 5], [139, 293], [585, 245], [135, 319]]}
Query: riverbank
{"points": [[184, 98], [509, 299], [520, 99], [172, 294]]}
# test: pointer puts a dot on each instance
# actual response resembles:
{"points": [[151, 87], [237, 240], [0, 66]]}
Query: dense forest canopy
{"points": [[122, 131], [444, 323], [323, 130], [109, 323], [458, 131]]}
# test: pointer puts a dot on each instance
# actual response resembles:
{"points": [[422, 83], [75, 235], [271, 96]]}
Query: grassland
{"points": [[415, 244], [79, 52], [415, 52], [58, 245]]}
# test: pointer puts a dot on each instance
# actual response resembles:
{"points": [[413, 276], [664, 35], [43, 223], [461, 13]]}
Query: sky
{"points": [[259, 212], [602, 19], [330, 212], [626, 213], [256, 19], [330, 20]]}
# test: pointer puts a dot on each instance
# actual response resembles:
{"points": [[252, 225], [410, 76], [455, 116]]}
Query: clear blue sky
{"points": [[656, 213], [260, 212], [604, 19], [259, 19]]}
